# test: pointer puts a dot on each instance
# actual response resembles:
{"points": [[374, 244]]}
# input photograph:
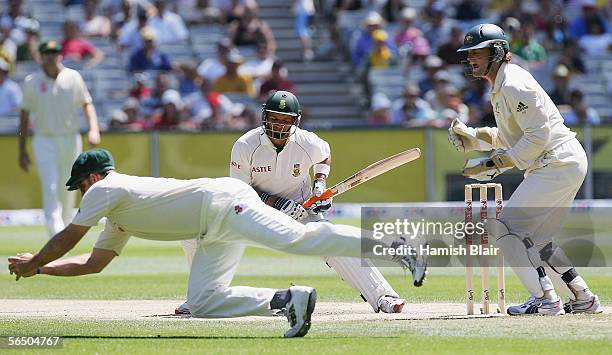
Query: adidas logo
{"points": [[521, 107]]}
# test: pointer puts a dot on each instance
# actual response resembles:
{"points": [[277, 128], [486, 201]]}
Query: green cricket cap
{"points": [[50, 47], [91, 161]]}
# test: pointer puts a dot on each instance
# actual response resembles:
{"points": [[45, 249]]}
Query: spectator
{"points": [[391, 10], [140, 89], [252, 31], [171, 115], [129, 34], [233, 10], [188, 78], [410, 110], [596, 42], [10, 92], [8, 49], [148, 57], [581, 24], [260, 67], [198, 12], [380, 110], [448, 50], [277, 81], [13, 20], [437, 29], [167, 25], [207, 108], [570, 58], [233, 81], [577, 112], [381, 55], [128, 118], [476, 97], [28, 50], [468, 10], [77, 49], [94, 25], [364, 44], [445, 97], [527, 47], [119, 17], [304, 10], [212, 68], [560, 93], [432, 65], [409, 38], [153, 102]]}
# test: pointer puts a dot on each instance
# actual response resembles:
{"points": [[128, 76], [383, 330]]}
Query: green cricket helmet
{"points": [[486, 35], [285, 103]]}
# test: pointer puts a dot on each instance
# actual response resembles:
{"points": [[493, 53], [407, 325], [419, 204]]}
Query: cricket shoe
{"points": [[591, 306], [390, 304], [182, 309], [536, 305], [299, 310], [417, 264]]}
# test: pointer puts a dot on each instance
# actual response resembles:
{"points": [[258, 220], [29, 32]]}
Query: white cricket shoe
{"points": [[417, 264], [390, 304], [591, 306], [299, 310], [535, 305], [182, 309]]}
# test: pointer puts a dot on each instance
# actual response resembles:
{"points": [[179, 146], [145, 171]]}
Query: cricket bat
{"points": [[367, 173]]}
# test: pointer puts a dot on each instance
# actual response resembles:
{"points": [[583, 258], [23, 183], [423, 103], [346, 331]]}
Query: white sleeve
{"points": [[112, 238], [319, 150], [27, 100], [533, 121], [97, 203], [240, 167], [81, 94]]}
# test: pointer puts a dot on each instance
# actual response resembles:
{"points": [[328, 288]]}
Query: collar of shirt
{"points": [[499, 78]]}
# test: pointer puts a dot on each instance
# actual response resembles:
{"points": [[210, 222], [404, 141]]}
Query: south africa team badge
{"points": [[296, 170]]}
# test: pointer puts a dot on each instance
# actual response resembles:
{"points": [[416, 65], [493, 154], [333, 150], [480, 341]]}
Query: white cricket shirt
{"points": [[54, 105], [152, 208], [255, 161], [528, 122]]}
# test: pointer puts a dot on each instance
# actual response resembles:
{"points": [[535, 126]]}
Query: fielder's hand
{"points": [[93, 138], [462, 137], [321, 205], [486, 169], [21, 265], [290, 208]]}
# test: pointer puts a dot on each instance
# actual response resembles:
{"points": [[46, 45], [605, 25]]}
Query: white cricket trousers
{"points": [[54, 157], [247, 220], [539, 206]]}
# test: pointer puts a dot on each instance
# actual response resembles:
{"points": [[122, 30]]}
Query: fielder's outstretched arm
{"points": [[55, 248], [78, 265]]}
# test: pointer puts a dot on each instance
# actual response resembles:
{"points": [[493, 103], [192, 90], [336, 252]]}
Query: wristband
{"points": [[322, 169]]}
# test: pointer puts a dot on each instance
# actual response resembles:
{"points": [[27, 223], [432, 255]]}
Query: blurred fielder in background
{"points": [[530, 135], [275, 159], [52, 98], [224, 215]]}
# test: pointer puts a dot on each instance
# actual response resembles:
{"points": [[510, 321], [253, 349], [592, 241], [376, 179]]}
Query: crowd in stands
{"points": [[551, 38]]}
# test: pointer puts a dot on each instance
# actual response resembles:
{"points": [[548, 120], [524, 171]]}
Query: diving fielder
{"points": [[224, 215], [52, 98], [275, 159], [530, 135]]}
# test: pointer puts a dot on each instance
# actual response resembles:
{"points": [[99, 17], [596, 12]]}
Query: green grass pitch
{"points": [[157, 271]]}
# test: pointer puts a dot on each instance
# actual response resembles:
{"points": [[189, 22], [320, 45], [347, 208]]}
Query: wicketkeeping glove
{"points": [[466, 139], [485, 169], [321, 205], [290, 208]]}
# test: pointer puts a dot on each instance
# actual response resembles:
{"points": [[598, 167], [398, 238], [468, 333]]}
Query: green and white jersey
{"points": [[255, 160], [528, 122], [152, 208]]}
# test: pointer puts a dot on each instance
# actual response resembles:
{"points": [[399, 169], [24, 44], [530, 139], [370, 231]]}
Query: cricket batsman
{"points": [[531, 136], [276, 159]]}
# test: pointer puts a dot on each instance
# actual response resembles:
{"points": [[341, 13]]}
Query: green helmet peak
{"points": [[283, 102]]}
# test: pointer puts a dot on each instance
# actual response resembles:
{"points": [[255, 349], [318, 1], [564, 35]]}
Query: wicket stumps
{"points": [[484, 241]]}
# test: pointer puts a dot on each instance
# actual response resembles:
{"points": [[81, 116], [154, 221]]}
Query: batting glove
{"points": [[290, 208], [321, 205]]}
